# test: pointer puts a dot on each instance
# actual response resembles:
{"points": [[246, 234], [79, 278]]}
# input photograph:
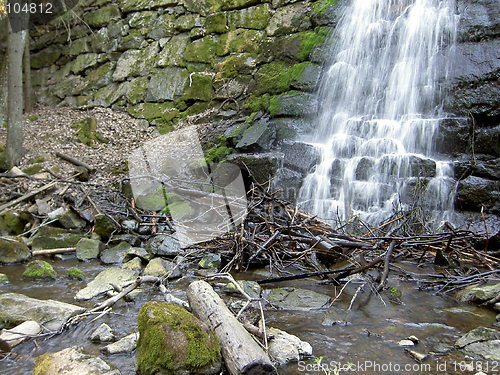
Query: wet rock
{"points": [[104, 226], [482, 341], [20, 333], [296, 299], [164, 245], [115, 254], [474, 193], [284, 347], [162, 268], [87, 249], [71, 361], [441, 348], [257, 137], [39, 269], [261, 166], [294, 105], [55, 238], [299, 156], [289, 19], [252, 288], [126, 344], [102, 283], [17, 308], [75, 273], [210, 261], [103, 333], [13, 250], [406, 343], [419, 357], [3, 279], [479, 294], [185, 343]]}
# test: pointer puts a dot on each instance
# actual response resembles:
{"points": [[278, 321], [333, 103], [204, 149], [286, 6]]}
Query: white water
{"points": [[380, 110]]}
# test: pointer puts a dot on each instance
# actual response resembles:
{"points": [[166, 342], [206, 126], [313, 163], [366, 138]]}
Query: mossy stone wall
{"points": [[162, 60]]}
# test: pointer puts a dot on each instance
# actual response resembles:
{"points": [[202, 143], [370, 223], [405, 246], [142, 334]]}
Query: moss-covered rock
{"points": [[45, 57], [33, 169], [88, 248], [309, 40], [104, 226], [86, 131], [216, 23], [187, 22], [110, 94], [204, 50], [133, 63], [203, 7], [241, 40], [103, 16], [256, 17], [55, 238], [200, 87], [167, 84], [173, 51], [39, 269], [3, 279], [100, 76], [237, 4], [293, 104], [13, 222], [152, 111], [136, 90], [84, 62], [289, 19], [75, 273], [173, 341], [133, 5]]}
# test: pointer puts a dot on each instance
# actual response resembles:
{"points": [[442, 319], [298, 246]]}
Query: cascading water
{"points": [[380, 111]]}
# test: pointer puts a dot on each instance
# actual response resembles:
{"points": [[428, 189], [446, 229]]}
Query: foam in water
{"points": [[380, 111]]}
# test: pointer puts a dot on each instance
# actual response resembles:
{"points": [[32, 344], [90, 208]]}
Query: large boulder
{"points": [[173, 341], [480, 293], [71, 361], [473, 193], [55, 238], [17, 308], [13, 250], [13, 222]]}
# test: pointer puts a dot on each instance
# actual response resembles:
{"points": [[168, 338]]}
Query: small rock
{"points": [[406, 343], [13, 250], [164, 245], [70, 220], [126, 344], [4, 279], [284, 347], [496, 306], [480, 373], [134, 265], [88, 248], [103, 333], [104, 226], [75, 273], [210, 261], [137, 252], [252, 288], [115, 254], [81, 174], [414, 339], [130, 225], [419, 357], [160, 267], [296, 299], [71, 361], [43, 207], [20, 333], [39, 269], [441, 348]]}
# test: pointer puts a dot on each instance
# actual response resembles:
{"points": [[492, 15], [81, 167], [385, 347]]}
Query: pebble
{"points": [[406, 342]]}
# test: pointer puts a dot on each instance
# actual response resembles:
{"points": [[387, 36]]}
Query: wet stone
{"points": [[115, 254], [210, 261], [13, 251], [297, 299], [126, 344], [102, 283], [88, 248], [162, 268], [103, 333]]}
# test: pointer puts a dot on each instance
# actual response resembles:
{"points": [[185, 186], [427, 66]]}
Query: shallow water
{"points": [[368, 333]]}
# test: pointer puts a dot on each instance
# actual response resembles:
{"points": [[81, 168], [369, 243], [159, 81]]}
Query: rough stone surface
{"points": [[102, 282], [162, 268], [103, 333], [115, 254], [126, 344], [285, 347], [482, 341], [13, 250], [71, 361], [17, 308], [88, 248], [479, 294]]}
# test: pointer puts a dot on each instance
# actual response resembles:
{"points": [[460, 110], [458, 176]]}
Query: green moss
{"points": [[38, 159], [200, 87], [157, 352], [3, 280], [12, 222], [33, 117], [151, 111], [39, 269], [203, 50], [310, 40], [256, 103], [216, 23], [241, 40], [256, 17], [75, 273], [219, 150], [276, 77], [274, 105], [322, 5], [33, 169]]}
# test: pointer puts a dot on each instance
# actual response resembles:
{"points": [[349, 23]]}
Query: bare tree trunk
{"points": [[15, 49], [28, 105], [4, 31]]}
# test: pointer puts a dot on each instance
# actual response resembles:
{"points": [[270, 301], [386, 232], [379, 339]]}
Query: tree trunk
{"points": [[242, 354], [15, 49], [28, 105]]}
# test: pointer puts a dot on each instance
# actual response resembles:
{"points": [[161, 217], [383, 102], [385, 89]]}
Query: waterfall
{"points": [[380, 109]]}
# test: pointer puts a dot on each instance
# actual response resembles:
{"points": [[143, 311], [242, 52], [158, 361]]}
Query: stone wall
{"points": [[165, 60]]}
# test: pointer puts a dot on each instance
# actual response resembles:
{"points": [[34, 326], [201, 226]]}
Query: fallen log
{"points": [[242, 354], [74, 161], [61, 250]]}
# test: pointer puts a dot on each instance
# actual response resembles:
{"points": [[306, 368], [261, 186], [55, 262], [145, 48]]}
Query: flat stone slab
{"points": [[17, 308], [482, 341], [102, 282], [297, 299]]}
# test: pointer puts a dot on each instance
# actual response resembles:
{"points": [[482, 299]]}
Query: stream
{"points": [[367, 335]]}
